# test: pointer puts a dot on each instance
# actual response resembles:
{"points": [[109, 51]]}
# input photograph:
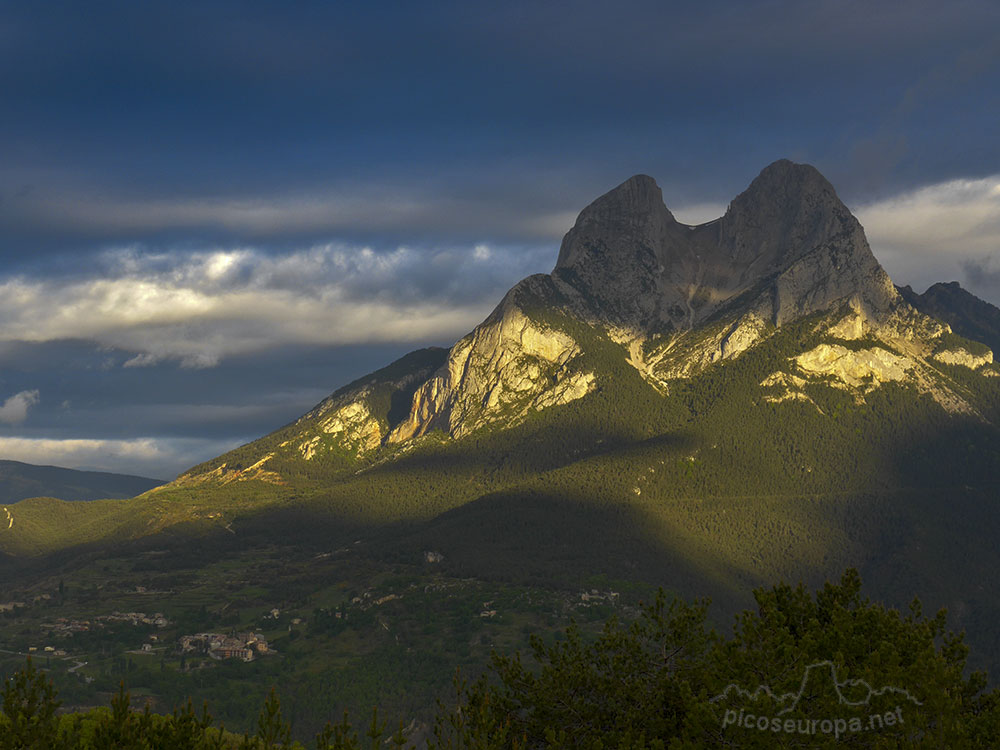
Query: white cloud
{"points": [[15, 408], [932, 233], [142, 360], [161, 458], [198, 307]]}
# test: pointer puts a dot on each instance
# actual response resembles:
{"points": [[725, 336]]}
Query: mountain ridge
{"points": [[675, 299], [20, 481], [965, 313]]}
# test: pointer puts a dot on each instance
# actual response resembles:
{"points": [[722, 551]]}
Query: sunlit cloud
{"points": [[15, 408], [197, 307], [938, 232], [145, 456]]}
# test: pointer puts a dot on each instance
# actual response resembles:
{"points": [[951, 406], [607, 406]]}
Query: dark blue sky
{"points": [[194, 194]]}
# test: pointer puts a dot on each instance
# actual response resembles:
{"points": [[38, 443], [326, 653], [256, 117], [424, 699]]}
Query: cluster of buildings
{"points": [[245, 646], [597, 597], [137, 618], [64, 626]]}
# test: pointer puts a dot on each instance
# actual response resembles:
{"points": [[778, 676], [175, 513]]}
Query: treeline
{"points": [[822, 669]]}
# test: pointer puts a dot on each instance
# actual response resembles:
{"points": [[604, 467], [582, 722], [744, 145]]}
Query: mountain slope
{"points": [[20, 480]]}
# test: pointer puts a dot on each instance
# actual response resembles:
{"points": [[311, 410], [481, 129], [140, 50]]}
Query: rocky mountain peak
{"points": [[625, 256], [787, 246], [631, 206], [786, 211], [630, 217]]}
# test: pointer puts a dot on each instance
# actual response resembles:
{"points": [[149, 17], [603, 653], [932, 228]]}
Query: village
{"points": [[244, 646], [63, 626]]}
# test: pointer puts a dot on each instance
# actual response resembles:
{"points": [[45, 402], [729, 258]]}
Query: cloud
{"points": [[939, 232], [198, 307], [385, 207], [984, 276], [146, 456], [144, 359], [15, 408]]}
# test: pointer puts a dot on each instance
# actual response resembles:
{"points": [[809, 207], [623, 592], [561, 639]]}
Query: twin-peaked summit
{"points": [[787, 246]]}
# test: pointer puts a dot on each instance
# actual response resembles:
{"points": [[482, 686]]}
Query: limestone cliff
{"points": [[349, 424], [792, 244], [508, 365]]}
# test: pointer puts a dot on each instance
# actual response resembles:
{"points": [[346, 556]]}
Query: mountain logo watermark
{"points": [[821, 705]]}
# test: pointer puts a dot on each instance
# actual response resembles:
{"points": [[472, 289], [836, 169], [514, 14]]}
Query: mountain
{"points": [[967, 315], [19, 481], [704, 408], [737, 402], [633, 286], [741, 401], [766, 354]]}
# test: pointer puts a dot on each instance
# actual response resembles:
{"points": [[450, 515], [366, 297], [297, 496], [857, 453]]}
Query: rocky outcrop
{"points": [[796, 247], [358, 429], [964, 358], [854, 367], [508, 365], [224, 473], [628, 263], [861, 371]]}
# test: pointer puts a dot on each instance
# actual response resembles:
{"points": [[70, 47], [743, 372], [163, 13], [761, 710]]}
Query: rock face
{"points": [[855, 368], [792, 244], [964, 358], [627, 262], [507, 366], [786, 247]]}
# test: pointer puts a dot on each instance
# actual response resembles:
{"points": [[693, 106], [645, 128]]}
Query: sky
{"points": [[214, 214]]}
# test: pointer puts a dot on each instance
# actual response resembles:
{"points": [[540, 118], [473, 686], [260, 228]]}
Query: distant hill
{"points": [[19, 481]]}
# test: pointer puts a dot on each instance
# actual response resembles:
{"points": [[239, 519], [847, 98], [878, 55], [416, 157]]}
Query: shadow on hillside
{"points": [[547, 540], [531, 449]]}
